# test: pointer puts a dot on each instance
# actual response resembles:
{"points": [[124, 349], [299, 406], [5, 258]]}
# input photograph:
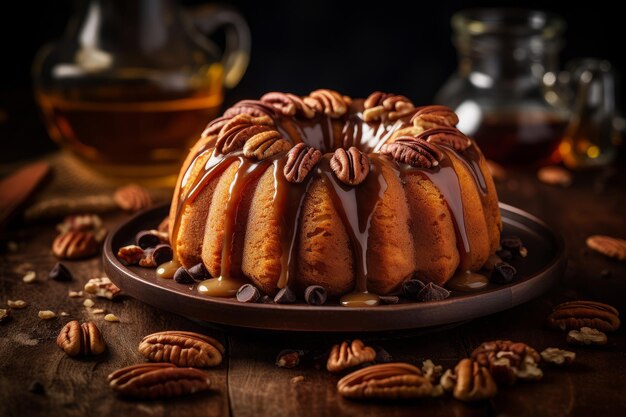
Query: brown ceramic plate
{"points": [[536, 273]]}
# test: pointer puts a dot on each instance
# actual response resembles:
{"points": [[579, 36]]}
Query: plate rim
{"points": [[513, 295]]}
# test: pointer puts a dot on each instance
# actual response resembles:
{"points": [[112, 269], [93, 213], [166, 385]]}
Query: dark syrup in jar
{"points": [[520, 138]]}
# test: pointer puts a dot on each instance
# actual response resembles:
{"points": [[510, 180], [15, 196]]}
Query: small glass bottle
{"points": [[501, 91]]}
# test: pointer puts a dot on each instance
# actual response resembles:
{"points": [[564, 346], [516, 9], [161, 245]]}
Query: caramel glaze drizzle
{"points": [[355, 205]]}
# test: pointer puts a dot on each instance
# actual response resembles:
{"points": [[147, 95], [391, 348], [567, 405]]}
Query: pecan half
{"points": [[447, 136], [576, 314], [75, 244], [288, 104], [348, 355], [558, 357], [351, 166], [507, 361], [132, 197], [130, 254], [413, 151], [385, 381], [265, 144], [608, 246], [586, 336], [81, 339], [472, 382], [329, 102], [158, 380], [214, 127], [82, 222], [182, 349], [379, 103], [301, 159], [239, 129], [254, 108], [429, 117], [102, 287]]}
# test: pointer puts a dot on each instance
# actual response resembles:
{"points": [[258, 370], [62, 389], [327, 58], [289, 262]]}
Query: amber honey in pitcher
{"points": [[129, 131], [521, 137]]}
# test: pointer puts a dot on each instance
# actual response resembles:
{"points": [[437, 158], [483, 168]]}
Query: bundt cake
{"points": [[356, 196]]}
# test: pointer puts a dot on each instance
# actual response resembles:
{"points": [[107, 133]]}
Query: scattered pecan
{"points": [[558, 356], [265, 144], [132, 197], [429, 117], [329, 102], [301, 159], [82, 222], [81, 339], [102, 287], [573, 315], [288, 104], [254, 108], [555, 175], [5, 313], [158, 380], [130, 254], [379, 103], [75, 244], [348, 355], [351, 166], [385, 381], [182, 349], [507, 361], [447, 136], [17, 304], [473, 382], [608, 246], [413, 151], [289, 358], [586, 336], [431, 371]]}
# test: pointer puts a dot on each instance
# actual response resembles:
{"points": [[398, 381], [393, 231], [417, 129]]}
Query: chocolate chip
{"points": [[60, 273], [412, 287], [432, 292], [199, 272], [147, 239], [285, 296], [248, 293], [182, 276], [389, 299], [514, 245], [503, 273], [315, 295], [266, 299], [36, 388], [162, 253]]}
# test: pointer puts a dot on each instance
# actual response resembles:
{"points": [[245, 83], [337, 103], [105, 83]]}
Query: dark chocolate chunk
{"points": [[389, 299], [199, 272], [285, 296], [59, 272], [315, 295], [147, 239], [266, 299], [162, 253], [505, 254], [248, 293], [514, 245], [503, 273], [182, 276], [412, 287], [432, 292], [36, 388]]}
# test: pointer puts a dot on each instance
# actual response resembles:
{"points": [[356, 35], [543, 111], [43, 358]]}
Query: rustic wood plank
{"points": [[77, 387]]}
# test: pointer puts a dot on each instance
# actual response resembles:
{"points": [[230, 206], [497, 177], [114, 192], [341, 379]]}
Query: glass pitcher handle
{"points": [[237, 52]]}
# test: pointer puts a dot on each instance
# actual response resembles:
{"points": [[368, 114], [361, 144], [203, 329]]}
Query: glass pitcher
{"points": [[511, 97], [133, 82]]}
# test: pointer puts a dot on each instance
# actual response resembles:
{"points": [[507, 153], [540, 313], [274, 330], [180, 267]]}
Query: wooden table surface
{"points": [[249, 384]]}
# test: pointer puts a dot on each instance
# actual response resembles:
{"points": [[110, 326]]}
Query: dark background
{"points": [[302, 45]]}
